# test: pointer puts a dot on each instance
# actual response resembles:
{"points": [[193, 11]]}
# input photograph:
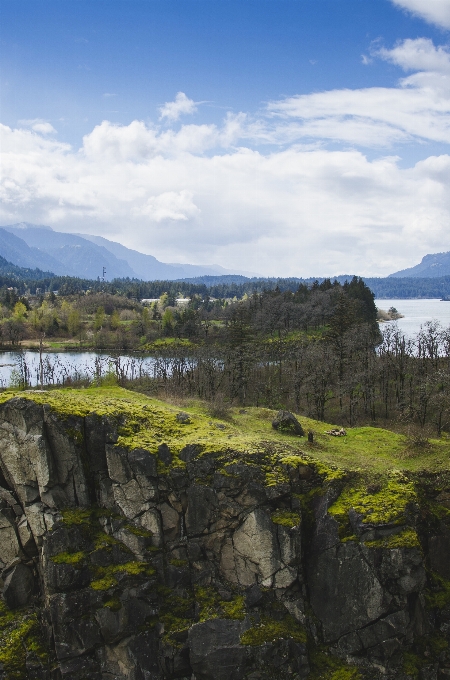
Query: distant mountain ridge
{"points": [[432, 266], [85, 255], [10, 272]]}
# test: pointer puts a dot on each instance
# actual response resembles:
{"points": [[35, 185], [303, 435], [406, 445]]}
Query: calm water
{"points": [[58, 366], [417, 312]]}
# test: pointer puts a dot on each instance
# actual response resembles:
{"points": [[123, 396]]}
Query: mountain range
{"points": [[431, 266], [83, 255]]}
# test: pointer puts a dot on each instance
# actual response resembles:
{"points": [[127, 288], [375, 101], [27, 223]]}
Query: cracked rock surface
{"points": [[142, 564]]}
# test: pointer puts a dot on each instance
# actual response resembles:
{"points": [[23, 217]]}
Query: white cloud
{"points": [[419, 108], [418, 55], [44, 128], [433, 11], [260, 193], [38, 125], [181, 106], [292, 212]]}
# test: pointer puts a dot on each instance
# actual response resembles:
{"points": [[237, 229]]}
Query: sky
{"points": [[280, 137]]}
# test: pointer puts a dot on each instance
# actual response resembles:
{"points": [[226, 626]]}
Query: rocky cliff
{"points": [[141, 543]]}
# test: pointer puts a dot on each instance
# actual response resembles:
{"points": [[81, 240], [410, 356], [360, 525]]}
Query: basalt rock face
{"points": [[138, 569]]}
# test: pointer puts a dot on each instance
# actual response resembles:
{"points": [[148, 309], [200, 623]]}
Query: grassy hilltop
{"points": [[148, 422], [377, 469]]}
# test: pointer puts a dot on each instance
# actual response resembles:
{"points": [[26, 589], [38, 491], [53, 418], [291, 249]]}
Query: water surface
{"points": [[417, 312], [57, 367]]}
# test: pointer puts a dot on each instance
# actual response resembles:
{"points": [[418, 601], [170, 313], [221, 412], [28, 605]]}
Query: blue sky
{"points": [[285, 137]]}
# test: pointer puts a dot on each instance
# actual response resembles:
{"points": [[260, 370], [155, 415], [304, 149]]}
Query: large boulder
{"points": [[287, 423]]}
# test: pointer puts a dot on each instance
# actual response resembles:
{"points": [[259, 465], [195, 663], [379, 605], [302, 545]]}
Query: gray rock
{"points": [[253, 596], [202, 502], [19, 587], [209, 527], [189, 452], [131, 617], [287, 423], [10, 548], [345, 593], [394, 625], [164, 454], [439, 552], [171, 522], [429, 672], [143, 463], [215, 651]]}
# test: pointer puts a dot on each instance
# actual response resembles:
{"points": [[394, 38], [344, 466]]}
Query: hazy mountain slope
{"points": [[210, 270], [146, 267], [431, 266], [11, 271], [15, 250], [85, 255], [76, 255]]}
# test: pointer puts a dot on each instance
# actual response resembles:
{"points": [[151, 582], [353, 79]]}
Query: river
{"points": [[58, 366], [417, 312]]}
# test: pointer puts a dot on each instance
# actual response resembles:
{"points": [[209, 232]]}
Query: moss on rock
{"points": [[405, 539], [287, 518], [74, 559], [270, 630], [387, 505], [20, 635]]}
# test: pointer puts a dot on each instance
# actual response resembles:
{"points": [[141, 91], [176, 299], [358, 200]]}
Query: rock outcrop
{"points": [[136, 545]]}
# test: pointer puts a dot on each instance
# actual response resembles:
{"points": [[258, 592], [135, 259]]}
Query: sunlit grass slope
{"points": [[146, 423]]}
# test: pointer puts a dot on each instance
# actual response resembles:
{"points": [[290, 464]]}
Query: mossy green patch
{"points": [[287, 518], [76, 516], [235, 609], [104, 583], [405, 539], [108, 575], [105, 541], [176, 615], [212, 606], [75, 558], [113, 603], [438, 594], [387, 504], [75, 434], [20, 634], [325, 666], [271, 630], [427, 650], [178, 563], [346, 674], [138, 531]]}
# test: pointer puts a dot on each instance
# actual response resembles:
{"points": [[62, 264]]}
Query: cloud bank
{"points": [[434, 11], [261, 193]]}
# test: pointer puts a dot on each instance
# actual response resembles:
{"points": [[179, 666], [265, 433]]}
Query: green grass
{"points": [[146, 422]]}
